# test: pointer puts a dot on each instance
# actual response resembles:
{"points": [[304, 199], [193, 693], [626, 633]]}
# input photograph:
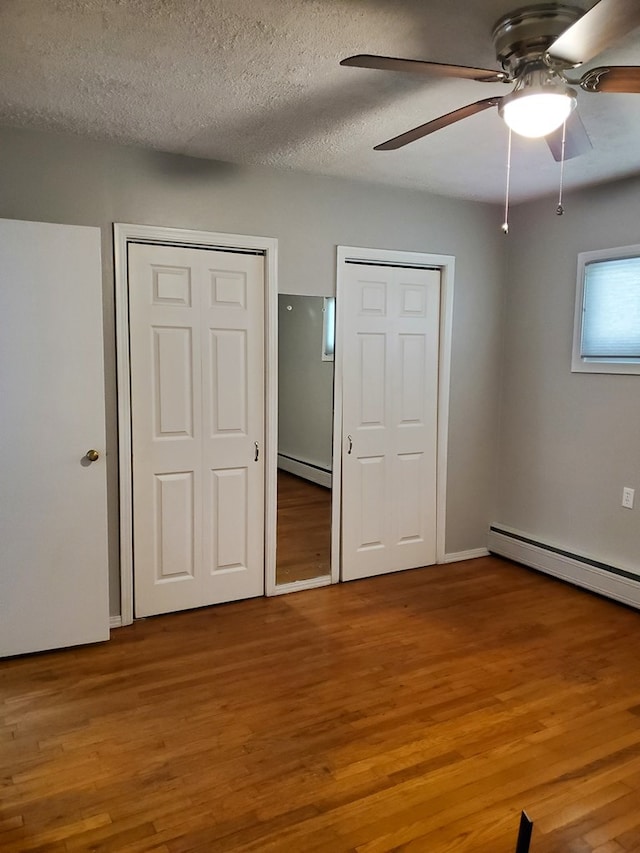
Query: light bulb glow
{"points": [[536, 113]]}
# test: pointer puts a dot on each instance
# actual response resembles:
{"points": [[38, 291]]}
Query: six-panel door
{"points": [[391, 321], [197, 387]]}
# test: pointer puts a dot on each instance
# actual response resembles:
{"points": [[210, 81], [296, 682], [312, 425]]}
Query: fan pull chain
{"points": [[505, 224], [560, 208]]}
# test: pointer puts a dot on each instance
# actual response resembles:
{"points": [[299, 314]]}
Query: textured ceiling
{"points": [[258, 81]]}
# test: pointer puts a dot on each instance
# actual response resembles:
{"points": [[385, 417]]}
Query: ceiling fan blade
{"points": [[390, 63], [616, 78], [576, 141], [437, 124], [603, 24]]}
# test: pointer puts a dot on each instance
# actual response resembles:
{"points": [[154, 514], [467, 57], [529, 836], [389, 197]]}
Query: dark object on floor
{"points": [[524, 834]]}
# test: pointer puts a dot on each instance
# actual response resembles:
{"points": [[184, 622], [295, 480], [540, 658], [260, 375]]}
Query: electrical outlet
{"points": [[628, 495]]}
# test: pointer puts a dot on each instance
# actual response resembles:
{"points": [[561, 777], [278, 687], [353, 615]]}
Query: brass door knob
{"points": [[92, 455]]}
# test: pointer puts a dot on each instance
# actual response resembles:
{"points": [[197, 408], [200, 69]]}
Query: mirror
{"points": [[305, 432]]}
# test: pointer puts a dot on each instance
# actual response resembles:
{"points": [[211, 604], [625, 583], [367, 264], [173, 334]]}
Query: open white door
{"points": [[53, 513], [390, 320]]}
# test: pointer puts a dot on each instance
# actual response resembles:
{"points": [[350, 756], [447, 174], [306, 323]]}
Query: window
{"points": [[328, 328], [606, 334]]}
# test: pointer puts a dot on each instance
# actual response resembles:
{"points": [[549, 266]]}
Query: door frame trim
{"points": [[123, 234], [446, 265]]}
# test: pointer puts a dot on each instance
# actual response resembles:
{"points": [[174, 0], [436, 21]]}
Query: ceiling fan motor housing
{"points": [[524, 36]]}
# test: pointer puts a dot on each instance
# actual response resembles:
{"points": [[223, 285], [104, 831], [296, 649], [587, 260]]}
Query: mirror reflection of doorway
{"points": [[305, 431]]}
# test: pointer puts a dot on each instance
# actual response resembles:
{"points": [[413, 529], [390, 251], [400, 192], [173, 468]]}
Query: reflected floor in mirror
{"points": [[304, 529]]}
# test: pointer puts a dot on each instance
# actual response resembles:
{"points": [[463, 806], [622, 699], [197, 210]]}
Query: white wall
{"points": [[305, 382], [65, 179], [569, 441]]}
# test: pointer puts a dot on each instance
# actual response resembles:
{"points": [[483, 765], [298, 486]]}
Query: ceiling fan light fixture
{"points": [[537, 113], [539, 104]]}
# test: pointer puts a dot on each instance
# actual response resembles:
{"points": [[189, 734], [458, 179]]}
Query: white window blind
{"points": [[611, 309]]}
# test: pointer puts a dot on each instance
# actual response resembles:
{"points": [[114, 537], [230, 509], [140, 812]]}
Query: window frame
{"points": [[586, 364]]}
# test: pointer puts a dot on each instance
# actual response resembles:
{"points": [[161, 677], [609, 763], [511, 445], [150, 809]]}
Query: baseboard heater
{"points": [[611, 581], [306, 470]]}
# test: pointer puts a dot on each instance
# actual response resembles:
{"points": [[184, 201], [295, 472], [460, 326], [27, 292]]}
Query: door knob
{"points": [[92, 455]]}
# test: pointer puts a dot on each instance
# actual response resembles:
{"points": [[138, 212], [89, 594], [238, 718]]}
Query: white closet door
{"points": [[53, 499], [197, 377], [391, 321], [233, 425]]}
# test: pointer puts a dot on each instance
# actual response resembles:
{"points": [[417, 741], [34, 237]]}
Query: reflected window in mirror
{"points": [[328, 328]]}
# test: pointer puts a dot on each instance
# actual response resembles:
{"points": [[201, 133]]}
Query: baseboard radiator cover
{"points": [[307, 470], [611, 581]]}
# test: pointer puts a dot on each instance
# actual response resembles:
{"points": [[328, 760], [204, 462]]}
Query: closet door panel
{"points": [[197, 377], [391, 322]]}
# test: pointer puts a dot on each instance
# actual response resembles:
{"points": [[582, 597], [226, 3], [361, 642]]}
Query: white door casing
{"points": [[124, 235], [393, 345], [197, 390], [53, 509]]}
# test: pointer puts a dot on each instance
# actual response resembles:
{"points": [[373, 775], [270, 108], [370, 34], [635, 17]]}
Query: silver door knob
{"points": [[92, 455]]}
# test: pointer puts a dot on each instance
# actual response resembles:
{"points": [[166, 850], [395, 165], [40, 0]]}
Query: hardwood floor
{"points": [[304, 529], [413, 712]]}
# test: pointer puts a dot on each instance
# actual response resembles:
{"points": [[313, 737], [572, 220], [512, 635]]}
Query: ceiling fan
{"points": [[536, 46]]}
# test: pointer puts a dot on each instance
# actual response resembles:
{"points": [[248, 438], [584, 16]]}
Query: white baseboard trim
{"points": [[458, 556], [304, 470], [610, 581], [115, 622]]}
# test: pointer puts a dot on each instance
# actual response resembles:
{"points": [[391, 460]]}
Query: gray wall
{"points": [[64, 179], [305, 382], [569, 441]]}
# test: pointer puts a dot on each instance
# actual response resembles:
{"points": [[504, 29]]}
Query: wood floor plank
{"points": [[415, 712]]}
